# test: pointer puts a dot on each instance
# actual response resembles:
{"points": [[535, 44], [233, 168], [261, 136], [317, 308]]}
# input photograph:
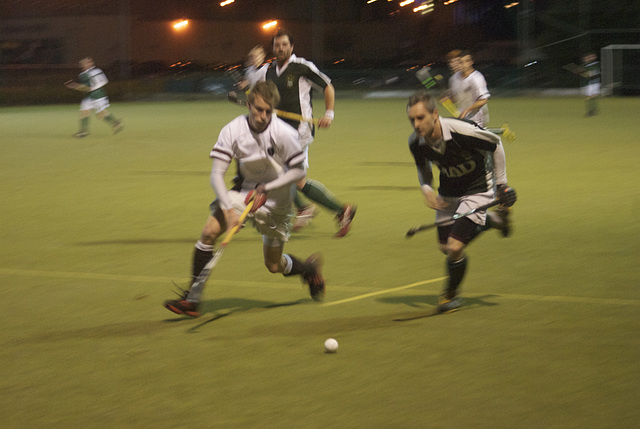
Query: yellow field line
{"points": [[382, 292], [151, 279]]}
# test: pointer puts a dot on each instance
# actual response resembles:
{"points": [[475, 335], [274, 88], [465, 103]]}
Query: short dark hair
{"points": [[281, 33], [267, 90], [423, 97]]}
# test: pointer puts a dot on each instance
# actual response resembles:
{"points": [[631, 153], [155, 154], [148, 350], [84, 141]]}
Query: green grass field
{"points": [[94, 231]]}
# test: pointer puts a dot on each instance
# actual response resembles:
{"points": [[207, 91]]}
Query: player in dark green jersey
{"points": [[296, 78], [92, 81]]}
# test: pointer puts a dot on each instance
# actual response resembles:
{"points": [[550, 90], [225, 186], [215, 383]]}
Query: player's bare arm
{"points": [[329, 103], [77, 86], [473, 109]]}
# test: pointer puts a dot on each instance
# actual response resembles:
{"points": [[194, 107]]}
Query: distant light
{"points": [[406, 2], [510, 5], [449, 2], [425, 7], [371, 1], [269, 25], [226, 2], [531, 63], [181, 25]]}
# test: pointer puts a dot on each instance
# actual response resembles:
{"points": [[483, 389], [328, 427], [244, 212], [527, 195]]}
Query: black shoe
{"points": [[314, 277], [448, 305], [183, 307]]}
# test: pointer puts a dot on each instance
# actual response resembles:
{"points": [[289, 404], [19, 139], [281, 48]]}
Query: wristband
{"points": [[329, 114]]}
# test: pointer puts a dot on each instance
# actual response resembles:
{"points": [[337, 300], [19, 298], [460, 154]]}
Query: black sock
{"points": [[456, 271], [297, 267], [201, 255]]}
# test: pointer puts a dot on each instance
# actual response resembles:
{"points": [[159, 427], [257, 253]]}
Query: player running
{"points": [[469, 90], [92, 80], [270, 160], [472, 168], [296, 78]]}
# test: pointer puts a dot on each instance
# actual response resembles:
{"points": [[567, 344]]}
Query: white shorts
{"points": [[97, 105], [465, 204], [591, 90], [274, 227]]}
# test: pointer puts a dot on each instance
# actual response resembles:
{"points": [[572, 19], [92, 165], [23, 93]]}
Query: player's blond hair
{"points": [[268, 91]]}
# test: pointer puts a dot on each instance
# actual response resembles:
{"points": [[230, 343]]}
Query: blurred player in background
{"points": [[473, 173], [591, 88], [92, 81], [469, 91], [453, 61], [270, 160], [296, 78]]}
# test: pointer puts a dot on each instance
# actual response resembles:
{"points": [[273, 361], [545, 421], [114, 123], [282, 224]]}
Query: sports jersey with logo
{"points": [[262, 157], [464, 158]]}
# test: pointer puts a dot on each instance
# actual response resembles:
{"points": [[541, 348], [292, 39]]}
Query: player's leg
{"points": [[453, 241], [498, 219], [320, 194], [275, 233], [85, 112], [310, 270], [189, 301], [305, 211], [104, 114]]}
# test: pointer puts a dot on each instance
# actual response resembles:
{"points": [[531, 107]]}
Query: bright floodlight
{"points": [[269, 25], [224, 3], [181, 25]]}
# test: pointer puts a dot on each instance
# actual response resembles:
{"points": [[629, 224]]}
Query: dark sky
{"points": [[331, 10]]}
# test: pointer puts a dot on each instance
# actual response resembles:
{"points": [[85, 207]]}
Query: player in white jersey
{"points": [[271, 161], [453, 61], [92, 81], [470, 93], [296, 78]]}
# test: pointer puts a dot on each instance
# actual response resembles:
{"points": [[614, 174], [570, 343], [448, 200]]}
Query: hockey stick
{"points": [[233, 97], [202, 278], [425, 227], [575, 69], [506, 132], [428, 81]]}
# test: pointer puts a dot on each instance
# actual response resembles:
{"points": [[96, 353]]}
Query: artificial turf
{"points": [[94, 231]]}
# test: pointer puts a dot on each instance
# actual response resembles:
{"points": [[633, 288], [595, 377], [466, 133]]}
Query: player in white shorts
{"points": [[473, 173], [92, 81], [469, 91], [591, 88], [270, 161]]}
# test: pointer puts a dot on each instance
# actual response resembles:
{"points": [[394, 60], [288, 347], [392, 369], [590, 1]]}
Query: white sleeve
{"points": [[218, 170], [499, 165], [481, 87], [290, 176]]}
